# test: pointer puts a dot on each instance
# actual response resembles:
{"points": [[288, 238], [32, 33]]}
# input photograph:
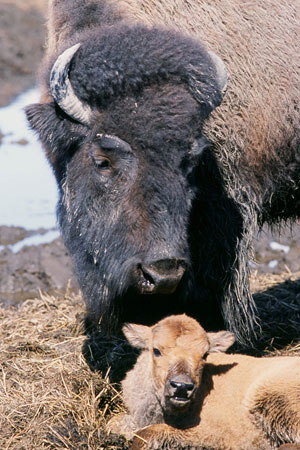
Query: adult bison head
{"points": [[123, 133]]}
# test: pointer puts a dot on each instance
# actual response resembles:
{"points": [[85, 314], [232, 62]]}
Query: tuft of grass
{"points": [[49, 399]]}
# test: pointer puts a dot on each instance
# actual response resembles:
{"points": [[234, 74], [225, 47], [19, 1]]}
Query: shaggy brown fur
{"points": [[260, 50], [240, 402]]}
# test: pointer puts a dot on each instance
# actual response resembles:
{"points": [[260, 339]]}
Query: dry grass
{"points": [[277, 298], [49, 398]]}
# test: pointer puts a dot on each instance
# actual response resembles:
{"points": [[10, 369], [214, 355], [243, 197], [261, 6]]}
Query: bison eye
{"points": [[102, 163], [156, 352]]}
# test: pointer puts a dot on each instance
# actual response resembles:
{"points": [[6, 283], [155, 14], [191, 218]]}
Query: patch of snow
{"points": [[279, 247], [272, 264]]}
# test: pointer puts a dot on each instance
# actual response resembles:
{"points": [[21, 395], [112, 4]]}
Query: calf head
{"points": [[177, 347], [123, 133]]}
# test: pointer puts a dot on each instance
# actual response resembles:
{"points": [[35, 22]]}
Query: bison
{"points": [[173, 130], [186, 394]]}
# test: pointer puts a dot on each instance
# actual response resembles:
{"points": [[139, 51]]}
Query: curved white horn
{"points": [[62, 91], [222, 75]]}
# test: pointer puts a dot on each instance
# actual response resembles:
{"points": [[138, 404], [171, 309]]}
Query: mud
{"points": [[22, 38], [34, 268]]}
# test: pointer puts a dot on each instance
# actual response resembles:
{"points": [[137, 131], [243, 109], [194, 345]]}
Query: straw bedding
{"points": [[50, 399]]}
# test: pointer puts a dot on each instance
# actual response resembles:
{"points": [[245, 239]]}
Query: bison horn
{"points": [[62, 91], [222, 75]]}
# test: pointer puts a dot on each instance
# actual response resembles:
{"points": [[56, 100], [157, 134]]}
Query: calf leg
{"points": [[165, 437], [122, 424]]}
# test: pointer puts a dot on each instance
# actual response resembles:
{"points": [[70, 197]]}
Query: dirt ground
{"points": [[22, 37]]}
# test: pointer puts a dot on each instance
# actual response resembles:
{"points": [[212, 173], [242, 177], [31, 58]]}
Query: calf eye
{"points": [[156, 352], [205, 356]]}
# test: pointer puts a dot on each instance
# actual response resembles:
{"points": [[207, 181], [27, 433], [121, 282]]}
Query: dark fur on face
{"points": [[140, 213]]}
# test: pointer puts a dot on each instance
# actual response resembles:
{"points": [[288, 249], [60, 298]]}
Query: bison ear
{"points": [[137, 335], [220, 342], [56, 132]]}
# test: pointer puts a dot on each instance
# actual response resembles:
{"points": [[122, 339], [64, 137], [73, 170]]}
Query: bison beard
{"points": [[159, 198]]}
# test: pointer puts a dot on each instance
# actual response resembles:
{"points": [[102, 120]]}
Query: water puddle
{"points": [[28, 192], [36, 239]]}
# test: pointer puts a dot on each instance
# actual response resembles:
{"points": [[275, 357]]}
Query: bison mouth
{"points": [[146, 284], [148, 299]]}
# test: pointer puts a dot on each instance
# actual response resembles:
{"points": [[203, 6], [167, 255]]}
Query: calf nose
{"points": [[162, 276], [181, 386]]}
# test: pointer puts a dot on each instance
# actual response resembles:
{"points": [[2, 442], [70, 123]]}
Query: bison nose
{"points": [[181, 387], [163, 276]]}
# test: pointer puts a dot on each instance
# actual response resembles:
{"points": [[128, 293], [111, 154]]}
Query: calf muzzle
{"points": [[179, 389]]}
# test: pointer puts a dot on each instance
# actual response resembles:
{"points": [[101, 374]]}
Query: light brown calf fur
{"points": [[178, 400]]}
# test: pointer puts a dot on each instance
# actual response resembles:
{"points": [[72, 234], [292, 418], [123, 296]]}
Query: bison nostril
{"points": [[162, 276]]}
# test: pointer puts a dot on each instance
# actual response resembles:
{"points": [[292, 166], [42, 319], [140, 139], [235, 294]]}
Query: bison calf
{"points": [[184, 392]]}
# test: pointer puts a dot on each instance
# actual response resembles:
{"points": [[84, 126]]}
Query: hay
{"points": [[277, 298], [50, 399]]}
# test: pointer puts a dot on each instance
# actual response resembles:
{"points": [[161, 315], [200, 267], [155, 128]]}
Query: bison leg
{"points": [[226, 221]]}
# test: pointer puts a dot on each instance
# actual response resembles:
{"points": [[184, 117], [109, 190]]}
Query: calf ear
{"points": [[221, 341], [137, 335]]}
